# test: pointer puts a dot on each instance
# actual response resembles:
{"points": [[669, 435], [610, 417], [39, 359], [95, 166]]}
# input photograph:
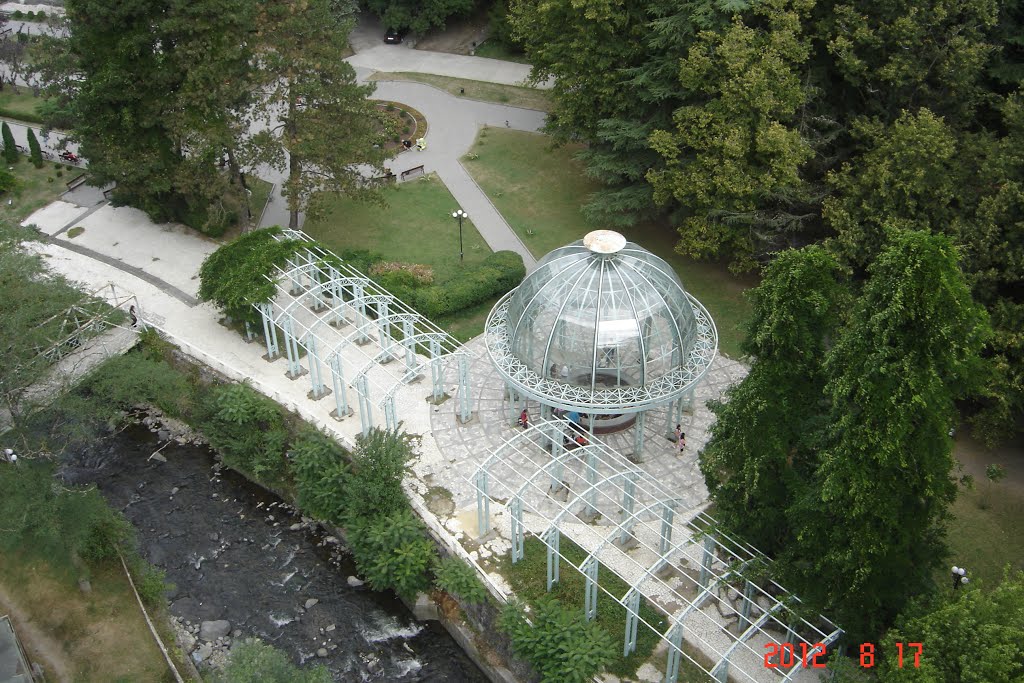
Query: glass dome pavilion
{"points": [[605, 328]]}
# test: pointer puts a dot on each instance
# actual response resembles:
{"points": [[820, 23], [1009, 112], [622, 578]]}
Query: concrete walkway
{"points": [[452, 126]]}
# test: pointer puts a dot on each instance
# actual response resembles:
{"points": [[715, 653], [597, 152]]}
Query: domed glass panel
{"points": [[601, 313]]}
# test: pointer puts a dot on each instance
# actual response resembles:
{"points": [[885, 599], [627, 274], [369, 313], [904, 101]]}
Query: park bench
{"points": [[412, 172]]}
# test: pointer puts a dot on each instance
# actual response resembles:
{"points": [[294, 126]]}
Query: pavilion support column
{"points": [[384, 331], [359, 302], [638, 436], [705, 563], [436, 371], [483, 504], [465, 400], [518, 533], [318, 389], [410, 348], [632, 620], [291, 348], [628, 505], [590, 568], [365, 407], [340, 391], [269, 331], [675, 653], [667, 515], [390, 416], [551, 539]]}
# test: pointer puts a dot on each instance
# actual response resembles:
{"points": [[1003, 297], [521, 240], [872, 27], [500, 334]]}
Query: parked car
{"points": [[394, 36]]}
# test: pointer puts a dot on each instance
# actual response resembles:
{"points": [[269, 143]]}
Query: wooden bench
{"points": [[412, 172], [77, 181]]}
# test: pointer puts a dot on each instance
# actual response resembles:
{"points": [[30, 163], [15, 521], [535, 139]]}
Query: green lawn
{"points": [[986, 539], [513, 95], [36, 188], [416, 226], [539, 191], [19, 105]]}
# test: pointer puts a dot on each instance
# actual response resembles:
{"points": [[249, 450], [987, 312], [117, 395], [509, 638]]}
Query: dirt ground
{"points": [[77, 637], [974, 456], [460, 36], [39, 646]]}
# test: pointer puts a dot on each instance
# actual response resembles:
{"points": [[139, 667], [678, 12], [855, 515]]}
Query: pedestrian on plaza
{"points": [[524, 419], [680, 439], [133, 315], [506, 124]]}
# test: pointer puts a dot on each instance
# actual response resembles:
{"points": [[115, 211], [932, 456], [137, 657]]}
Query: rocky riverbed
{"points": [[245, 564]]}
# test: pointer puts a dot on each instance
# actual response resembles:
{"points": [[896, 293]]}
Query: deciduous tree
{"points": [[734, 159], [762, 450], [318, 126], [871, 525]]}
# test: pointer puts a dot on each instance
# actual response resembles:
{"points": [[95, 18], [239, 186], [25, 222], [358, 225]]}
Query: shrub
{"points": [[35, 152], [17, 14], [321, 475], [454, 576], [392, 552], [233, 277], [253, 661], [248, 430], [421, 274], [561, 645], [10, 148], [361, 259], [378, 467], [499, 273], [59, 174], [400, 283], [125, 381], [151, 583]]}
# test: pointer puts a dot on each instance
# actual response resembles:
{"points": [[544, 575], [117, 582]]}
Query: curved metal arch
{"points": [[620, 399]]}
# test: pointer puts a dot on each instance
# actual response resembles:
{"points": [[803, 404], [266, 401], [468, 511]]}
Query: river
{"points": [[235, 552]]}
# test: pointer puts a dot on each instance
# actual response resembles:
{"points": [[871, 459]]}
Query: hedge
{"points": [[499, 273]]}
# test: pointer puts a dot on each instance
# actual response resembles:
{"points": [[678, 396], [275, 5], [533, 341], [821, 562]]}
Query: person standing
{"points": [[524, 419], [680, 439]]}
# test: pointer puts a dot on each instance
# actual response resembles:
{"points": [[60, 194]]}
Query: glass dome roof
{"points": [[603, 315]]}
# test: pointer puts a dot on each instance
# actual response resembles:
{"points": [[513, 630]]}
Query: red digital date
{"points": [[787, 655]]}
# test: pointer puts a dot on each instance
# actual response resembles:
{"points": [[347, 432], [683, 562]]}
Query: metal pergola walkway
{"points": [[338, 318], [712, 589]]}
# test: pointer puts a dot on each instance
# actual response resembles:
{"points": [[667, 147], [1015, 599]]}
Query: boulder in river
{"points": [[212, 630], [354, 582], [311, 602]]}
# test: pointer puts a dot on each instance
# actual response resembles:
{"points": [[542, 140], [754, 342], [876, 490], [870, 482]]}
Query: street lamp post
{"points": [[959, 577], [460, 214]]}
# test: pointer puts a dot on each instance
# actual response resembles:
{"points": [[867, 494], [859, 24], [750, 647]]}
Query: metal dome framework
{"points": [[603, 328], [651, 545], [318, 298]]}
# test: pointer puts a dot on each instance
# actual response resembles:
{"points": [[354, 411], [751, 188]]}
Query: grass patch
{"points": [[75, 232], [20, 105], [986, 540], [37, 187], [539, 191], [513, 95], [102, 634], [416, 226], [492, 49]]}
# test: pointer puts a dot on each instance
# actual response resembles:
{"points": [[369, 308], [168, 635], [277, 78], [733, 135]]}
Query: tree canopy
{"points": [[834, 453]]}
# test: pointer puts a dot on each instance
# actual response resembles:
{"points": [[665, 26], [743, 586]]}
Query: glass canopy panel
{"points": [[601, 320]]}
